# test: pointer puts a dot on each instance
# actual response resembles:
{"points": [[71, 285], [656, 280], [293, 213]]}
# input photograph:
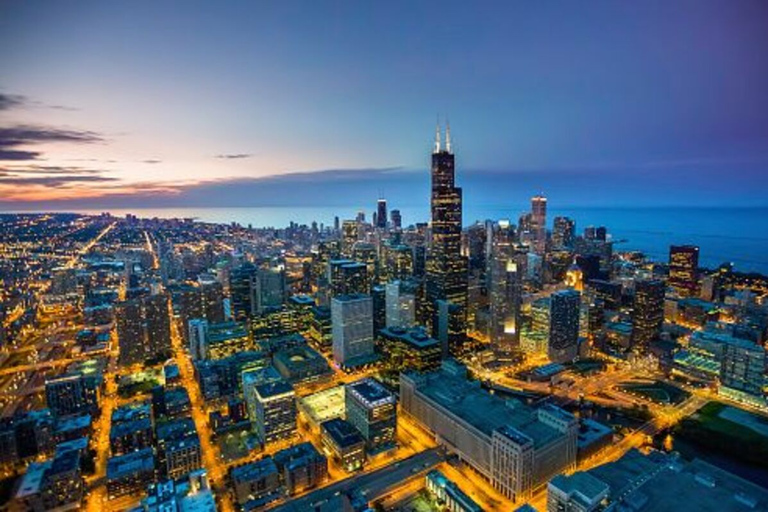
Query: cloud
{"points": [[9, 101], [151, 161], [48, 169], [234, 156], [62, 181], [13, 139]]}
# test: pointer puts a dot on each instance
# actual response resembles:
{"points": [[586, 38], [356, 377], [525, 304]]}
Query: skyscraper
{"points": [[564, 325], [381, 213], [648, 311], [352, 327], [446, 268], [539, 223], [683, 269], [397, 219], [563, 233]]}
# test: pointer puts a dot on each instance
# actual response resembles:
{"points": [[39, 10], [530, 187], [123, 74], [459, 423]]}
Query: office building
{"points": [[301, 364], [344, 442], [563, 233], [198, 338], [684, 269], [254, 483], [564, 312], [301, 467], [372, 409], [352, 327], [410, 349], [130, 473], [227, 339], [347, 277], [446, 267], [349, 236], [648, 311], [72, 394], [397, 219], [654, 482], [400, 305], [242, 289], [143, 328], [516, 447], [271, 407], [381, 214], [539, 224]]}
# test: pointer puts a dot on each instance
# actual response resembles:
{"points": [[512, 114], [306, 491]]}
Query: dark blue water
{"points": [[737, 235]]}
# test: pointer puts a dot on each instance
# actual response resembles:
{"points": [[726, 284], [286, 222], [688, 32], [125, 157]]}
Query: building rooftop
{"points": [[371, 392], [323, 405], [274, 389], [663, 483], [415, 337], [254, 471], [343, 433], [32, 479], [141, 461], [484, 411]]}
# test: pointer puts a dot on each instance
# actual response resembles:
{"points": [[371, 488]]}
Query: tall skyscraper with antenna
{"points": [[446, 268]]}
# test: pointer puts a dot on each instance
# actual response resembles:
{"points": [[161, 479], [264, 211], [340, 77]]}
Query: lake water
{"points": [[738, 235]]}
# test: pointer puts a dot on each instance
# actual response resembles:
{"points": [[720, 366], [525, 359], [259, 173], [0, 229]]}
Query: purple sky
{"points": [[111, 104]]}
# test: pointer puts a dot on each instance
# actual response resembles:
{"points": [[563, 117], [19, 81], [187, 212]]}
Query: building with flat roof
{"points": [[372, 409], [130, 473], [301, 364], [256, 482], [322, 406], [301, 467], [343, 441], [272, 408], [410, 349], [516, 447], [656, 482], [352, 328]]}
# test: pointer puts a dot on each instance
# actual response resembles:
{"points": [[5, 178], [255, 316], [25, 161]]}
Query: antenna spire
{"points": [[437, 136], [447, 136]]}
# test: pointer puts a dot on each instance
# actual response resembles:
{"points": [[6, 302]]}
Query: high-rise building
{"points": [[271, 405], [401, 306], [158, 324], [397, 219], [346, 277], [446, 267], [372, 409], [564, 325], [349, 235], [381, 213], [242, 286], [198, 338], [539, 223], [504, 284], [563, 233], [143, 328], [743, 366], [270, 289], [71, 394], [683, 269], [352, 326], [648, 311]]}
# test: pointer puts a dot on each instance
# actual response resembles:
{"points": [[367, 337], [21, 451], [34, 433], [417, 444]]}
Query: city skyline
{"points": [[652, 104]]}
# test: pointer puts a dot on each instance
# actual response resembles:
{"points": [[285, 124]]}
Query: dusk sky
{"points": [[130, 104]]}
